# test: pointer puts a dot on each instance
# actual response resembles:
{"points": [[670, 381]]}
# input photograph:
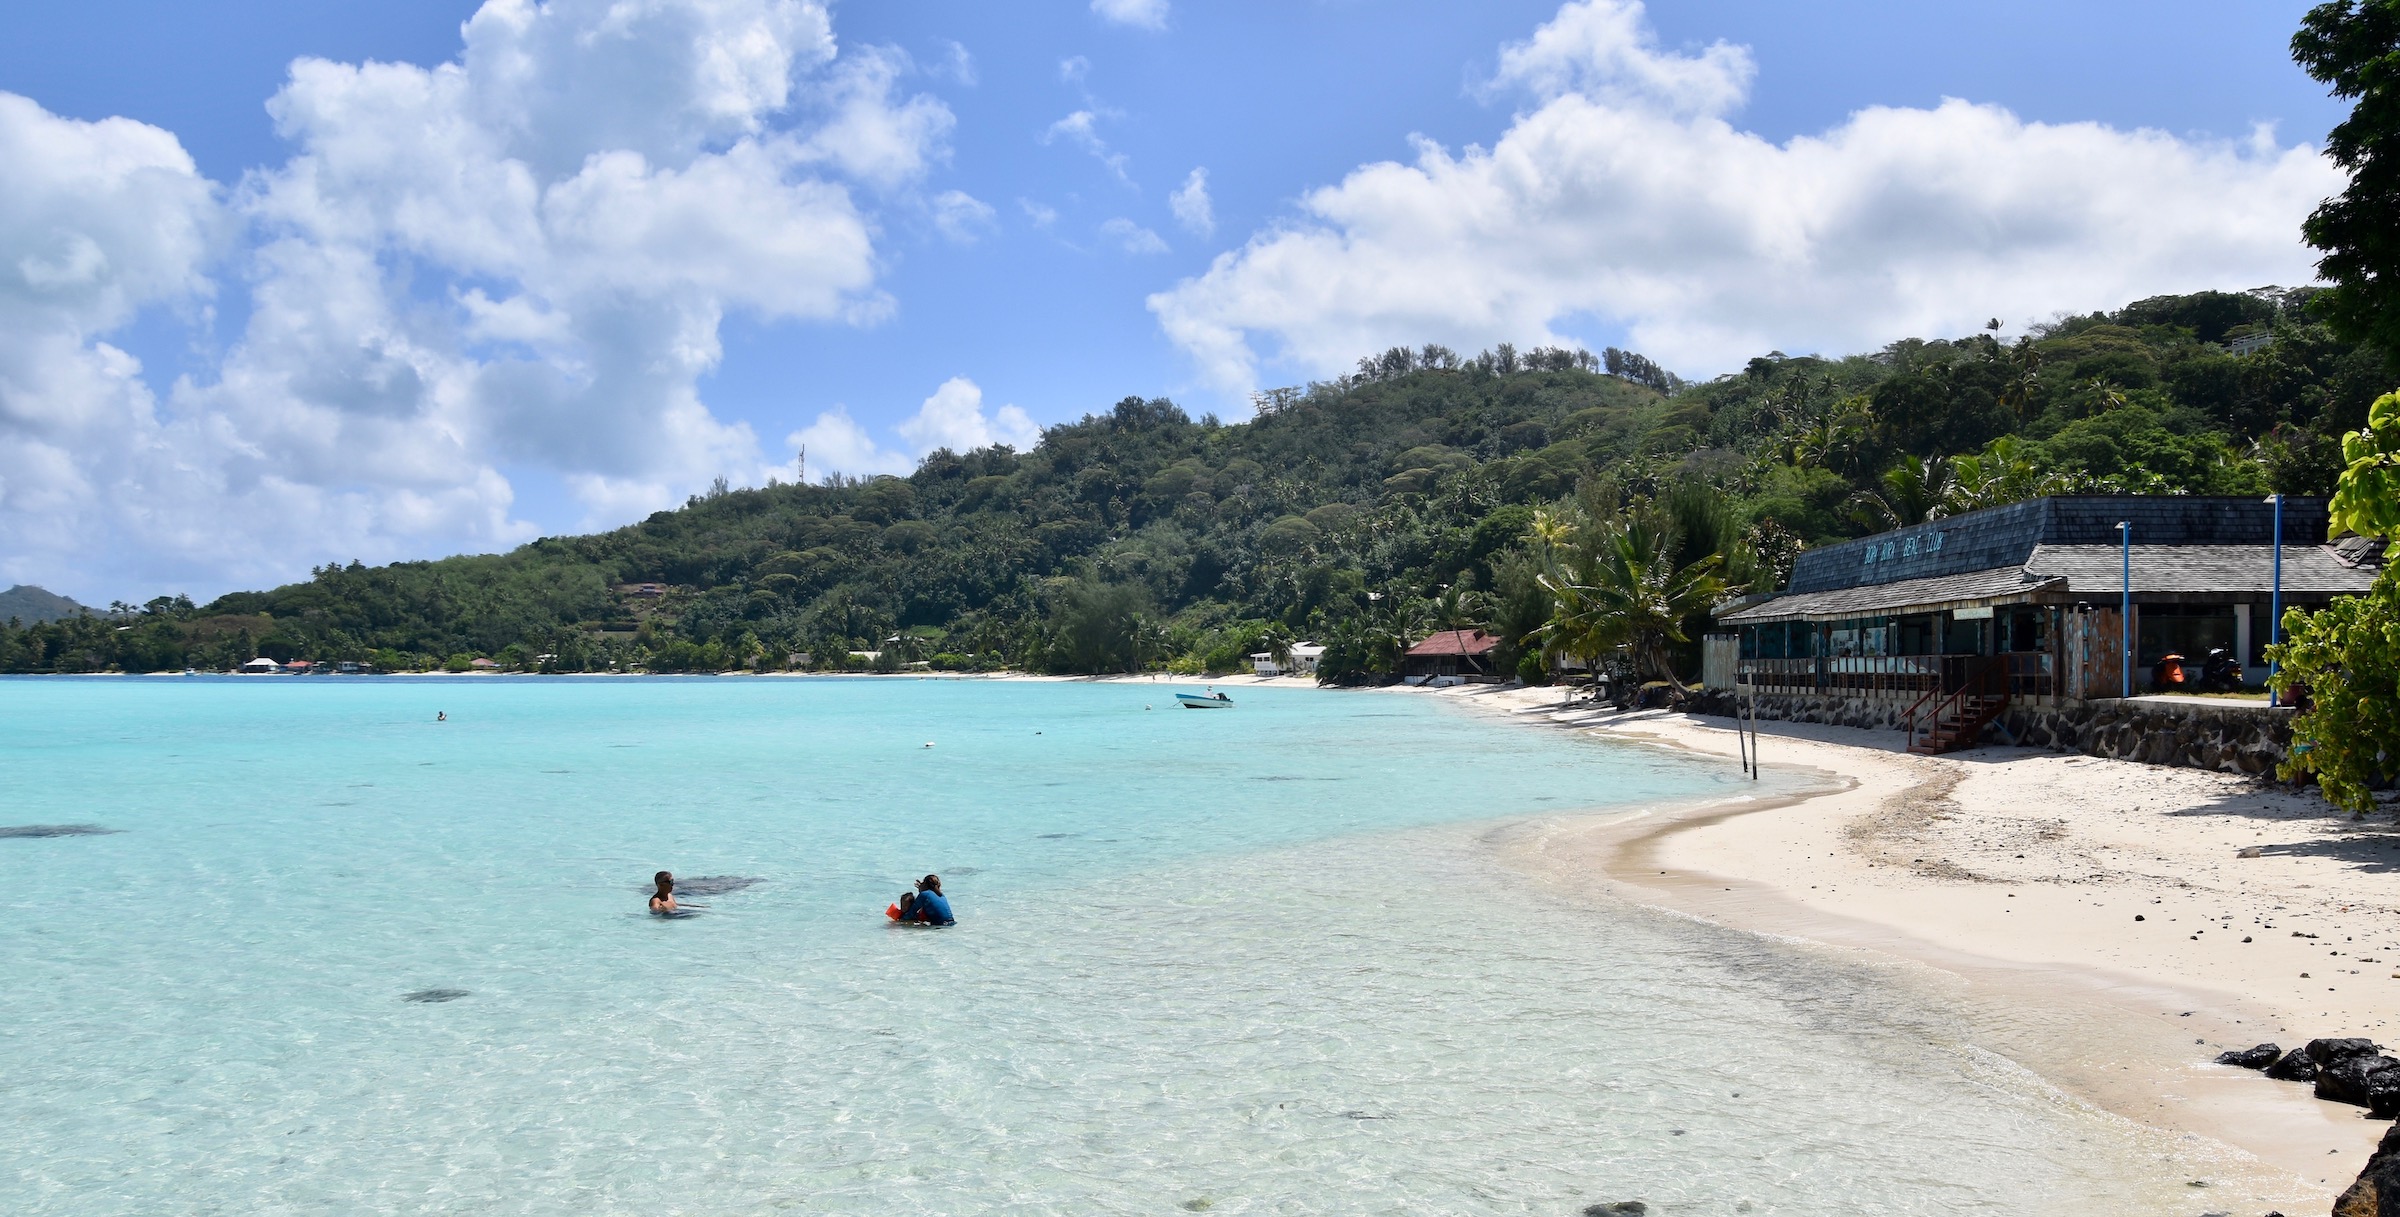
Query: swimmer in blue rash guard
{"points": [[932, 906]]}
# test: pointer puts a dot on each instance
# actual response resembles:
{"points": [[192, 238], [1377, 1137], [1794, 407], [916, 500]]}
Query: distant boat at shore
{"points": [[1204, 701]]}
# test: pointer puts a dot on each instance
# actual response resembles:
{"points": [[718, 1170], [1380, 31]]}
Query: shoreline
{"points": [[2011, 878]]}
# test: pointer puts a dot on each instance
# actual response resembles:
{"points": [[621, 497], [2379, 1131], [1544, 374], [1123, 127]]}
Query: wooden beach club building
{"points": [[2023, 604]]}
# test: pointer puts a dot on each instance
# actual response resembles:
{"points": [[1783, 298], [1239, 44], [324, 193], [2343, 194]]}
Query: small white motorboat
{"points": [[1204, 701]]}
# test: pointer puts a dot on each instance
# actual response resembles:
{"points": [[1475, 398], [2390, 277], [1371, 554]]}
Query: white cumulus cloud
{"points": [[962, 217], [1082, 129], [953, 418], [1142, 14], [521, 258], [837, 443], [1132, 237], [1191, 205], [1604, 49], [1624, 195]]}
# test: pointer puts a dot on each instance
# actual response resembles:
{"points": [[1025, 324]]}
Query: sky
{"points": [[288, 282]]}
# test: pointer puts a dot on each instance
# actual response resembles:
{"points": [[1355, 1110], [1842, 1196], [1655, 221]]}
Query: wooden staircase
{"points": [[1948, 719]]}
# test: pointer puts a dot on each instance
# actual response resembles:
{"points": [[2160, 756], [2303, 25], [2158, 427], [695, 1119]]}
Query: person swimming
{"points": [[662, 901], [441, 716]]}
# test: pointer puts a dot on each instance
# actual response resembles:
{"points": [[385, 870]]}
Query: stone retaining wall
{"points": [[2234, 738]]}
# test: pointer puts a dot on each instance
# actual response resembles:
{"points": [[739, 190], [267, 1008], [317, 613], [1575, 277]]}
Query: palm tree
{"points": [[2107, 394], [1395, 624], [2005, 473], [2018, 393], [1278, 642], [1914, 492], [1459, 608], [1626, 594]]}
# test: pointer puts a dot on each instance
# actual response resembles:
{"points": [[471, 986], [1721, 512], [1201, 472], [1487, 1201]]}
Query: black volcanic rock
{"points": [[2326, 1052], [2377, 1192], [2294, 1067], [2251, 1058], [2347, 1080], [2383, 1094]]}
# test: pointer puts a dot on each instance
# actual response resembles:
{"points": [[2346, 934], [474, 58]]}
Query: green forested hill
{"points": [[25, 602], [1141, 537]]}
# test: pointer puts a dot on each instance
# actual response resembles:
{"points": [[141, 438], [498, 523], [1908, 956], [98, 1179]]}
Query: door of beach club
{"points": [[2093, 645]]}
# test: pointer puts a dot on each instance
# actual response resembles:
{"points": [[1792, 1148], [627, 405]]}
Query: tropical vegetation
{"points": [[1579, 507]]}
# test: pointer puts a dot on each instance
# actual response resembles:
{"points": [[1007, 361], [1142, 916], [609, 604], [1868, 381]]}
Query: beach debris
{"points": [[2248, 851], [56, 830], [2377, 1191], [429, 996], [2139, 917], [2251, 1058], [1621, 1208]]}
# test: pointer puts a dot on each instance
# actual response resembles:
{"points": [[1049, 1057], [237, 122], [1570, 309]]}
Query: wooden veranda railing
{"points": [[2028, 674]]}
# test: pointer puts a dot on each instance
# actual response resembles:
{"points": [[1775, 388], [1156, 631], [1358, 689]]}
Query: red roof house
{"points": [[1451, 653]]}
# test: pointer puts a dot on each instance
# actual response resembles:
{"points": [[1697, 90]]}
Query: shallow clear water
{"points": [[1258, 961]]}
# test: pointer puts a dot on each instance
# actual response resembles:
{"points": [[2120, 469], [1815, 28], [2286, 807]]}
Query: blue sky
{"points": [[1694, 180]]}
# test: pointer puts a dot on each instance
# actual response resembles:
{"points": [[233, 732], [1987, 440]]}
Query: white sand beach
{"points": [[2099, 921]]}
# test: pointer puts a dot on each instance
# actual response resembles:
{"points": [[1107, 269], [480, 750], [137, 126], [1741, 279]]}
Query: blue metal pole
{"points": [[2125, 610], [2275, 604]]}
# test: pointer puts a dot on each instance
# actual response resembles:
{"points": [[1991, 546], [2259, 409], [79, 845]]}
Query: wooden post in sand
{"points": [[1741, 745], [1753, 699]]}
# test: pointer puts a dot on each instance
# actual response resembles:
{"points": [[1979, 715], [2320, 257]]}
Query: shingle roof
{"points": [[2082, 570], [1974, 587], [2006, 536], [1456, 642], [2233, 569]]}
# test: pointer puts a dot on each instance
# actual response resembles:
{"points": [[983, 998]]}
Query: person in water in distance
{"points": [[924, 906], [662, 901], [933, 908]]}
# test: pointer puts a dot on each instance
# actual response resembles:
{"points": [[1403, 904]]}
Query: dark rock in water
{"points": [[2346, 1080], [2326, 1052], [2251, 1058], [2294, 1067], [434, 995], [56, 830], [709, 885], [1622, 1208], [2377, 1192]]}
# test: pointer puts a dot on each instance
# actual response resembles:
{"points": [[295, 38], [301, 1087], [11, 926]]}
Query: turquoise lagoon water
{"points": [[1258, 961]]}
